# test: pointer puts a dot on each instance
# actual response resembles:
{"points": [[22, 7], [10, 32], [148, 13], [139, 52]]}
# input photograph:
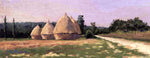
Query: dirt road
{"points": [[140, 46]]}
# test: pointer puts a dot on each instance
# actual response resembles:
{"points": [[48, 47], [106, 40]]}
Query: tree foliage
{"points": [[104, 31], [13, 28], [130, 25], [5, 27], [22, 29], [81, 23], [89, 34], [94, 29]]}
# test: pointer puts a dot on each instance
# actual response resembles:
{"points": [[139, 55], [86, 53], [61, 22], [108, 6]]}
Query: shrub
{"points": [[89, 34], [96, 31], [104, 31], [130, 25]]}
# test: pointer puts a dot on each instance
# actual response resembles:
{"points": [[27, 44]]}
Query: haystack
{"points": [[76, 25], [47, 31], [65, 29], [36, 33]]}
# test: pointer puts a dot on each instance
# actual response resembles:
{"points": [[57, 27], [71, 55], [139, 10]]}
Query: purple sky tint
{"points": [[100, 11]]}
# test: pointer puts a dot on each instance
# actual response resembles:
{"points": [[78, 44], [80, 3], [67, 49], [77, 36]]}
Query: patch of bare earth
{"points": [[6, 45]]}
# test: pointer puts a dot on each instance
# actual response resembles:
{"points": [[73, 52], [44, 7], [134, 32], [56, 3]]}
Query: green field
{"points": [[100, 49]]}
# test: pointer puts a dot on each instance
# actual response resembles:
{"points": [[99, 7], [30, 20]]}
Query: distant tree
{"points": [[118, 25], [89, 34], [104, 31], [13, 28], [94, 29], [130, 25], [81, 23], [5, 27], [53, 23], [139, 25], [22, 29]]}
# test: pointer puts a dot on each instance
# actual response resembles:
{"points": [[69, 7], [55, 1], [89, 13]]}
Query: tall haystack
{"points": [[76, 24], [47, 31], [36, 33], [65, 29]]}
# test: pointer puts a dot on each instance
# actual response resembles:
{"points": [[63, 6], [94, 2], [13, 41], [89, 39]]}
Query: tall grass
{"points": [[132, 35]]}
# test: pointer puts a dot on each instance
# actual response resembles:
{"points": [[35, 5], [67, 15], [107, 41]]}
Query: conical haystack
{"points": [[36, 33], [65, 29], [47, 31], [77, 25]]}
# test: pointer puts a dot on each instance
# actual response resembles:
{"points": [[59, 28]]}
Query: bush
{"points": [[104, 31], [96, 31], [89, 34], [130, 25]]}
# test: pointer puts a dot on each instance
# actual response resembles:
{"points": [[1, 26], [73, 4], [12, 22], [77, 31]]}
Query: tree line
{"points": [[135, 24], [18, 29], [23, 29], [130, 25]]}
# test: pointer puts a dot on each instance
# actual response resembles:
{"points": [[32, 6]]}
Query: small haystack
{"points": [[36, 33], [65, 29], [76, 24], [47, 31]]}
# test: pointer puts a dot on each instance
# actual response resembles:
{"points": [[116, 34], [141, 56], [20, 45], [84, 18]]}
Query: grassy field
{"points": [[14, 39], [101, 49], [133, 35]]}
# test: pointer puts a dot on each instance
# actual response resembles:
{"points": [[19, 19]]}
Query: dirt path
{"points": [[5, 45], [140, 46]]}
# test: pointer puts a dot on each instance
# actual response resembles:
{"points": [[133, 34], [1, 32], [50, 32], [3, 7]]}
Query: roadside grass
{"points": [[100, 49], [132, 35]]}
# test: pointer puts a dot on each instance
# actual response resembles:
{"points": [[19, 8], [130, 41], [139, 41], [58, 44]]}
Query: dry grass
{"points": [[134, 35], [5, 45], [102, 49]]}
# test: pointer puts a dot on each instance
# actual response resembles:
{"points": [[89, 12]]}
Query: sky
{"points": [[103, 12]]}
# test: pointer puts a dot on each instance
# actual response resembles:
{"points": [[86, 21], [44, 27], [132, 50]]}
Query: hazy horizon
{"points": [[103, 12]]}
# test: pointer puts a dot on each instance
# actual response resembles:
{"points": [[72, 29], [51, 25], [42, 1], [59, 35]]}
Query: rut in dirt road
{"points": [[140, 46]]}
